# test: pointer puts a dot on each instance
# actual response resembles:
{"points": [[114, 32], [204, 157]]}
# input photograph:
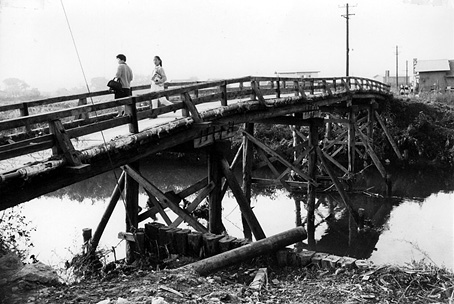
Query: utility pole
{"points": [[347, 17], [397, 68], [406, 72]]}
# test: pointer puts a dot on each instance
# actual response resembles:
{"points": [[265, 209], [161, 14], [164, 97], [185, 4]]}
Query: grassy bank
{"points": [[423, 128]]}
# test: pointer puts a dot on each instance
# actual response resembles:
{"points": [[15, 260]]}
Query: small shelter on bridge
{"points": [[303, 74]]}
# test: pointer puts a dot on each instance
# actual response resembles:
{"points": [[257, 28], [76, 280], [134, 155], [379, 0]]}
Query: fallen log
{"points": [[263, 246]]}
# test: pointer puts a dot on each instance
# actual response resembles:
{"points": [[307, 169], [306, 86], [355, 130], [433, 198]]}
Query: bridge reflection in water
{"points": [[333, 230], [343, 111]]}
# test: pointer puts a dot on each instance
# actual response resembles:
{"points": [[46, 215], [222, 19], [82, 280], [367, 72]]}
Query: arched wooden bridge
{"points": [[203, 115]]}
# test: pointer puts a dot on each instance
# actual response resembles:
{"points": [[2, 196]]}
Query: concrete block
{"points": [[317, 258], [348, 262], [363, 264], [331, 261]]}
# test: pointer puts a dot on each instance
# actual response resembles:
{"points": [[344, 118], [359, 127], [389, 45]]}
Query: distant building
{"points": [[437, 75], [305, 74], [391, 81]]}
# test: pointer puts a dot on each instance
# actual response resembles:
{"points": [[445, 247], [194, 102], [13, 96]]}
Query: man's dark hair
{"points": [[121, 57]]}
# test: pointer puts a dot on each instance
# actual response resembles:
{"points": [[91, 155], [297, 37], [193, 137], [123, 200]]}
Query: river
{"points": [[415, 224]]}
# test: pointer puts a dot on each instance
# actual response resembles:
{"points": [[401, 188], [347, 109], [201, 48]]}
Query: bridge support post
{"points": [[132, 192], [371, 121], [312, 168], [351, 140], [215, 198], [247, 174], [132, 212]]}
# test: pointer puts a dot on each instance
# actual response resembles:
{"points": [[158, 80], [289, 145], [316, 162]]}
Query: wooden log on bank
{"points": [[263, 246]]}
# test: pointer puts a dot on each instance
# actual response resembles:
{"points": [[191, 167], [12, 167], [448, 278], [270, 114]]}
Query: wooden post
{"points": [[265, 246], [296, 88], [370, 124], [83, 102], [25, 112], [298, 221], [132, 212], [215, 199], [328, 130], [254, 88], [86, 235], [247, 171], [278, 88], [312, 169], [132, 191], [131, 111], [110, 208], [351, 141], [224, 94]]}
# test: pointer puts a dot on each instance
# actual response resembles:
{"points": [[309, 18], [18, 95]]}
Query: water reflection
{"points": [[416, 223]]}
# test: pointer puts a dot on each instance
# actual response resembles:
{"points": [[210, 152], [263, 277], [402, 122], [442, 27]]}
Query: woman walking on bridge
{"points": [[158, 78], [124, 74]]}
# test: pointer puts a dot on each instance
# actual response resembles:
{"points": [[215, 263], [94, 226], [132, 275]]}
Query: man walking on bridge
{"points": [[124, 74]]}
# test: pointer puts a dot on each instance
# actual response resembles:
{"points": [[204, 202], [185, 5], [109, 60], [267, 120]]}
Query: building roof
{"points": [[432, 65]]}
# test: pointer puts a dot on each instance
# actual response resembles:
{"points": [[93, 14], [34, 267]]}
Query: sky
{"points": [[217, 39]]}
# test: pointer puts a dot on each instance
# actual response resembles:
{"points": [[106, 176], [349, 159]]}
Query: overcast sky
{"points": [[217, 38]]}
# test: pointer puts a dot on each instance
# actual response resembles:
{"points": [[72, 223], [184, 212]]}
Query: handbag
{"points": [[115, 84]]}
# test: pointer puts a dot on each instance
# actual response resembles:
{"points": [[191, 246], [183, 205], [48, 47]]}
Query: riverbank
{"points": [[416, 283], [423, 128]]}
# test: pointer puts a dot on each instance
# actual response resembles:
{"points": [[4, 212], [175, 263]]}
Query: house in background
{"points": [[437, 75]]}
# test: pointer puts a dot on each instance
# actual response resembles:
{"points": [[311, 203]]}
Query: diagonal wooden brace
{"points": [[165, 199], [280, 158], [191, 107], [64, 145]]}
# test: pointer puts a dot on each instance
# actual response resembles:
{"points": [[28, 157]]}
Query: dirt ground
{"points": [[417, 283]]}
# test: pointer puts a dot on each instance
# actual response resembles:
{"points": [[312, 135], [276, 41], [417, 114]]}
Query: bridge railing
{"points": [[52, 122]]}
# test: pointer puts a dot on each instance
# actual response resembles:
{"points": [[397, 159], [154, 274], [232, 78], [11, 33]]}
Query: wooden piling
{"points": [[247, 174], [312, 170], [215, 197], [132, 212], [351, 140]]}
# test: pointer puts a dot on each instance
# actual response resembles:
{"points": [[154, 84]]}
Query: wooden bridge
{"points": [[204, 115]]}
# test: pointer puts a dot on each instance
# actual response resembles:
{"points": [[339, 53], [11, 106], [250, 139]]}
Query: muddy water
{"points": [[415, 224]]}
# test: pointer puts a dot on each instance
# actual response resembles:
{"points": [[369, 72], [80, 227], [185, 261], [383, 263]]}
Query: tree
{"points": [[15, 87], [99, 83], [15, 232]]}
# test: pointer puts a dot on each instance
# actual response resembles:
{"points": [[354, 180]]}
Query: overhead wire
{"points": [[96, 114]]}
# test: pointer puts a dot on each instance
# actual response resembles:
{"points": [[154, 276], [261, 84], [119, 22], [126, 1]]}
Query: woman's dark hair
{"points": [[121, 57], [160, 61]]}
